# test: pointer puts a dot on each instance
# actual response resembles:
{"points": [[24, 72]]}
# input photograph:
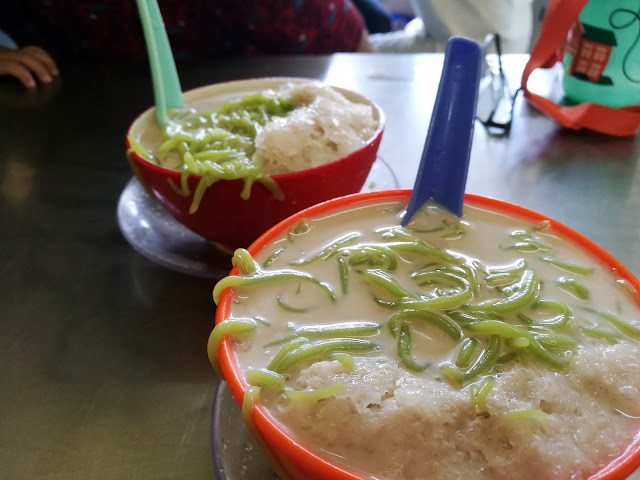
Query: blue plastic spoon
{"points": [[442, 174]]}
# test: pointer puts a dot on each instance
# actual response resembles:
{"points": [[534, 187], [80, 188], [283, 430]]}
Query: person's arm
{"points": [[28, 63], [375, 14]]}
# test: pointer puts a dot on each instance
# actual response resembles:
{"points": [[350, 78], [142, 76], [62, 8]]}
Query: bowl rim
{"points": [[277, 438], [282, 177]]}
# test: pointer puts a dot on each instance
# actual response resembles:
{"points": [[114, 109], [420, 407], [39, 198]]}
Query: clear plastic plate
{"points": [[236, 456], [154, 233]]}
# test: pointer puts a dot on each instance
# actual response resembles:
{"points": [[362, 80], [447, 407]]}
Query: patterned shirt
{"points": [[196, 28]]}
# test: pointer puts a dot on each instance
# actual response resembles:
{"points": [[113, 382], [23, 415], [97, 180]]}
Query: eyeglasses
{"points": [[495, 101]]}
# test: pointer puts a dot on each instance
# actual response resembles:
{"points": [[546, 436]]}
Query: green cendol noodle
{"points": [[219, 145]]}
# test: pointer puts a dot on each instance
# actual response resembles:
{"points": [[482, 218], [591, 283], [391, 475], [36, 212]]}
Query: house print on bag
{"points": [[590, 48]]}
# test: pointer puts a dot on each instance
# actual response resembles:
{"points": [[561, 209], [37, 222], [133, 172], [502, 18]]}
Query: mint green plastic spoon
{"points": [[166, 84]]}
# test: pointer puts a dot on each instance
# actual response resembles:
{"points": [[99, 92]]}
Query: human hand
{"points": [[27, 61]]}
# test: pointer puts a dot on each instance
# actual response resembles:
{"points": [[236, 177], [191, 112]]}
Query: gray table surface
{"points": [[103, 370]]}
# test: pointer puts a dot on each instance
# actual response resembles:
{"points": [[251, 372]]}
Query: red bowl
{"points": [[302, 464], [223, 216]]}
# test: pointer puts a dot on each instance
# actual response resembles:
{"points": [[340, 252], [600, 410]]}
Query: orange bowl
{"points": [[223, 216], [303, 464]]}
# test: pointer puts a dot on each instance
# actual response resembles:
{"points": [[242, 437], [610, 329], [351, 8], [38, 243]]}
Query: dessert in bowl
{"points": [[499, 345], [246, 154]]}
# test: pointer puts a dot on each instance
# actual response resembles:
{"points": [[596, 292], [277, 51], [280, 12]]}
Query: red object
{"points": [[590, 50], [574, 38], [591, 60], [548, 50], [302, 464], [224, 217]]}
